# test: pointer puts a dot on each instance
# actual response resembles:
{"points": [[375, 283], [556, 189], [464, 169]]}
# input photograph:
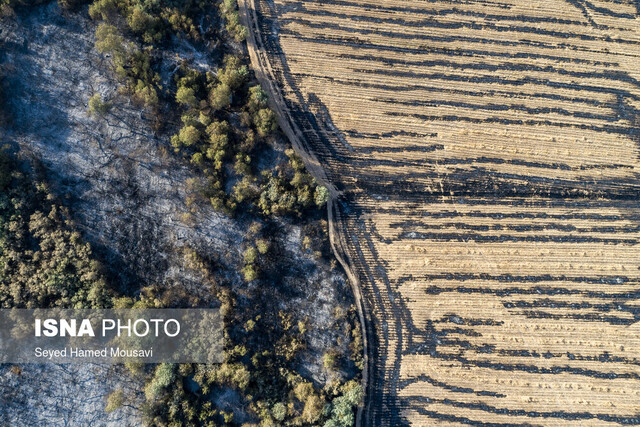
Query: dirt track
{"points": [[483, 161]]}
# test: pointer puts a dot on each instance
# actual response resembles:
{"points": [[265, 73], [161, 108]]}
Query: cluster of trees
{"points": [[208, 102], [226, 124], [277, 394], [206, 137], [290, 189], [149, 24], [229, 11], [262, 348], [43, 259], [151, 21], [227, 152], [131, 64]]}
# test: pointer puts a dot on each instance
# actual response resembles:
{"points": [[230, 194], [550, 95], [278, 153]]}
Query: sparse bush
{"points": [[329, 360], [263, 246], [250, 271], [250, 255], [114, 401], [97, 106]]}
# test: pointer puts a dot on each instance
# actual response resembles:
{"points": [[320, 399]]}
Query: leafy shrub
{"points": [[114, 401], [97, 106], [265, 121], [186, 96], [43, 260], [164, 376]]}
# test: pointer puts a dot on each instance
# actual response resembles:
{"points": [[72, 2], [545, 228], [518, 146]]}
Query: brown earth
{"points": [[483, 162]]}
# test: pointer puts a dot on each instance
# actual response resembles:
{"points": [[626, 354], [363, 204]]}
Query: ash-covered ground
{"points": [[128, 194]]}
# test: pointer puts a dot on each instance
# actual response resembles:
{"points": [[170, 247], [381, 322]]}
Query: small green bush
{"points": [[114, 401], [97, 106]]}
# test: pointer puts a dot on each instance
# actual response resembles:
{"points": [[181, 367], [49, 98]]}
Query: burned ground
{"points": [[129, 196]]}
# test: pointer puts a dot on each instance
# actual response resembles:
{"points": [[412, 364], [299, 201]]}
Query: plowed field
{"points": [[483, 158]]}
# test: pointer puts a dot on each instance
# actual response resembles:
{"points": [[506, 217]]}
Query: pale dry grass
{"points": [[488, 158]]}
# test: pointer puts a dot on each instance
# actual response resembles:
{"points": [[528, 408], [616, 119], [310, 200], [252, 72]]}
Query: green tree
{"points": [[265, 121], [342, 407], [109, 40], [144, 24], [163, 377], [104, 9], [279, 411], [220, 96], [233, 26], [189, 135], [257, 100], [234, 74], [186, 96], [245, 189], [321, 196]]}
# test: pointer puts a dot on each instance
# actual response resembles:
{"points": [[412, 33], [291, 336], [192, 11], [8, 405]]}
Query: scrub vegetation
{"points": [[44, 261]]}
